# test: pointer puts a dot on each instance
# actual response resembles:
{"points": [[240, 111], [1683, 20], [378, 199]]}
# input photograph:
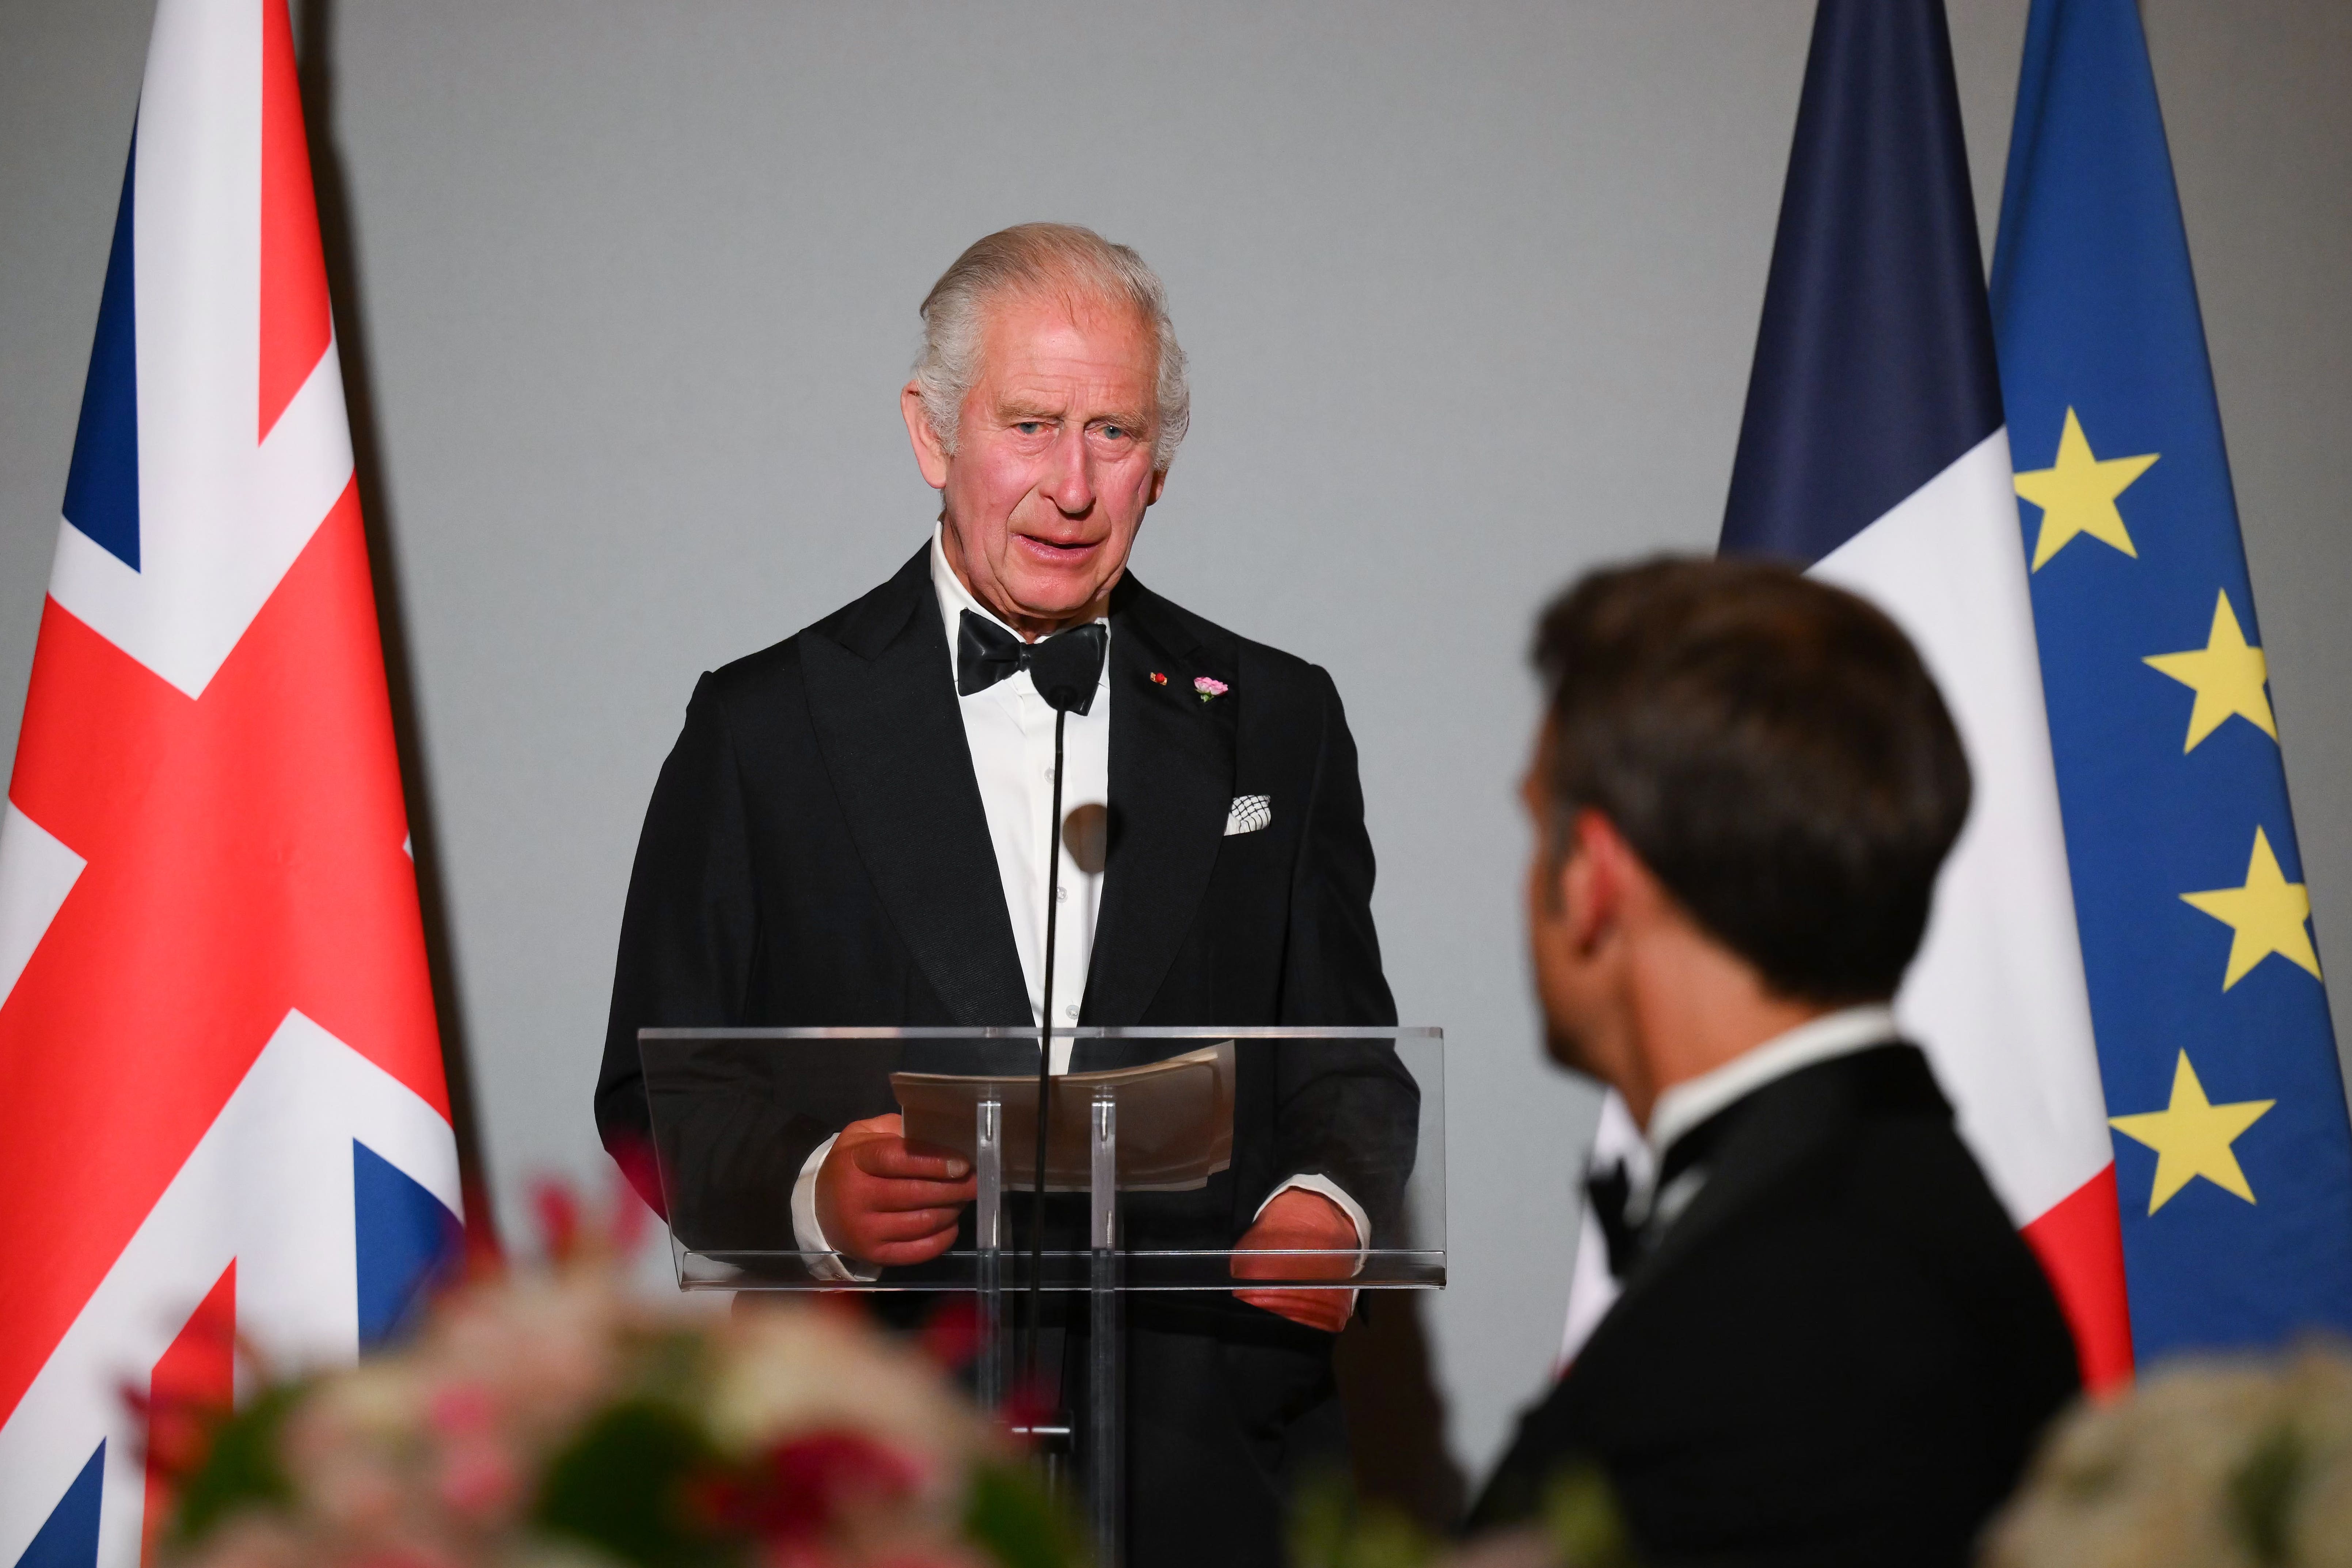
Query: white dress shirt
{"points": [[1009, 729]]}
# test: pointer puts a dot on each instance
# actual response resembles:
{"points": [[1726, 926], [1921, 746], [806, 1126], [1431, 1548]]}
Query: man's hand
{"points": [[1299, 1220], [881, 1199]]}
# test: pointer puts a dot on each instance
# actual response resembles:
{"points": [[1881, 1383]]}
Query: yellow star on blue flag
{"points": [[2229, 676], [2077, 494], [2266, 915], [2192, 1137]]}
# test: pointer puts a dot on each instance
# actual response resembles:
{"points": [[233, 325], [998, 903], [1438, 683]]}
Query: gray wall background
{"points": [[1470, 291]]}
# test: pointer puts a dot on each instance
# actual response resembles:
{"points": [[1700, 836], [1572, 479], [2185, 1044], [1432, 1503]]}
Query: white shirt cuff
{"points": [[1324, 1186], [826, 1263], [810, 1236]]}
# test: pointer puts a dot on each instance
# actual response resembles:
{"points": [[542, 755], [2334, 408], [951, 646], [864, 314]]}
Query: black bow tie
{"points": [[1610, 1192], [1064, 668], [1632, 1234]]}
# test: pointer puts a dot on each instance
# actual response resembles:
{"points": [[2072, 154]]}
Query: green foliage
{"points": [[1009, 1516], [624, 1486], [1576, 1517], [1332, 1527], [1581, 1519], [240, 1469], [671, 1366], [2262, 1492]]}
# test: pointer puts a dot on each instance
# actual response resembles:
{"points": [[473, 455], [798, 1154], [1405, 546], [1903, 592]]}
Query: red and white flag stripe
{"points": [[217, 1041]]}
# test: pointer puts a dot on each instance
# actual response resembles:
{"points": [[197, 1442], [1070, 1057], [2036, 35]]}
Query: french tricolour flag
{"points": [[1874, 450], [226, 1113]]}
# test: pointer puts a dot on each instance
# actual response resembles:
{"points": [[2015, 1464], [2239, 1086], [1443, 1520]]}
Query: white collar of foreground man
{"points": [[1693, 1100]]}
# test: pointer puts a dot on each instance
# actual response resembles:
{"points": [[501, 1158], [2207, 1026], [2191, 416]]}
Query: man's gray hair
{"points": [[1042, 258]]}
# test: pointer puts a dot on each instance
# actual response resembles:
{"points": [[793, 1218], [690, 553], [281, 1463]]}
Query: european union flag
{"points": [[2233, 1156]]}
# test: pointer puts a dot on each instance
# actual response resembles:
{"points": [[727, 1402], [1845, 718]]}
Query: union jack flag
{"points": [[227, 1116]]}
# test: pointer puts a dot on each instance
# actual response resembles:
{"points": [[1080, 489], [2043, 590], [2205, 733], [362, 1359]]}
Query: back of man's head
{"points": [[1772, 749]]}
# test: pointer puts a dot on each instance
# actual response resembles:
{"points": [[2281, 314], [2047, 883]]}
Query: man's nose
{"points": [[1069, 474]]}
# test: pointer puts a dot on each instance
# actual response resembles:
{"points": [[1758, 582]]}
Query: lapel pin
{"points": [[1157, 679], [1209, 687]]}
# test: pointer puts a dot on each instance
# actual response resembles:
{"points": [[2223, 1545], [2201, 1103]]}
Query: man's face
{"points": [[1576, 969], [1052, 471], [1551, 945]]}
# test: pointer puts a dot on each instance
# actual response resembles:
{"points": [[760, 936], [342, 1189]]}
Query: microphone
{"points": [[1065, 668], [1086, 834]]}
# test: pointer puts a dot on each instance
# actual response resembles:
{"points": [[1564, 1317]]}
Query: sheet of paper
{"points": [[1175, 1126]]}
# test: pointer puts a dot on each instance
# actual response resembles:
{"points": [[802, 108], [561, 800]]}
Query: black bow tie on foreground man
{"points": [[1065, 666]]}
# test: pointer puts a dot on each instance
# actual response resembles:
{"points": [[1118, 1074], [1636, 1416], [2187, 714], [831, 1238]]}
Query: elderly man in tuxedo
{"points": [[853, 829], [1831, 1347]]}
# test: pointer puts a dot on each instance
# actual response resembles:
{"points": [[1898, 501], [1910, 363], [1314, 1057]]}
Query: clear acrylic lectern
{"points": [[1156, 1149]]}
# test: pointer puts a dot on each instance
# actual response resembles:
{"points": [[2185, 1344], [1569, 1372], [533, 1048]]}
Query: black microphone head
{"points": [[1066, 667]]}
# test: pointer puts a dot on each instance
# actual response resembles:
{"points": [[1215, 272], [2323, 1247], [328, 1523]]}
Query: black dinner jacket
{"points": [[1841, 1353], [816, 853]]}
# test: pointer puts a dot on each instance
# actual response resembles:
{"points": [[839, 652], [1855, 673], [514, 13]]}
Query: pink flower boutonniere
{"points": [[1209, 687]]}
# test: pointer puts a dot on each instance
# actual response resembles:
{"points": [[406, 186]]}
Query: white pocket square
{"points": [[1250, 812]]}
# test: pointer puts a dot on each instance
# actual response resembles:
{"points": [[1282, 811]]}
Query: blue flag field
{"points": [[2233, 1158]]}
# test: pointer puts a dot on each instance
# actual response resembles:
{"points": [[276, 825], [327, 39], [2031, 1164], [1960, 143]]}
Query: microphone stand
{"points": [[1065, 686], [1044, 1063]]}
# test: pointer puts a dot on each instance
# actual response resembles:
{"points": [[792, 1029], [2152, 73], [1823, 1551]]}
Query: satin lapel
{"points": [[1171, 785], [884, 712]]}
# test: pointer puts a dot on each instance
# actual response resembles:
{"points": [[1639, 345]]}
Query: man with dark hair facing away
{"points": [[1831, 1347]]}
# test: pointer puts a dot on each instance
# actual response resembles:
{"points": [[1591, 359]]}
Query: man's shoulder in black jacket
{"points": [[1841, 1352]]}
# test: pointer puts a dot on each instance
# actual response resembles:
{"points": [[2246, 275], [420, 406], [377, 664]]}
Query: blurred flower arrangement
{"points": [[1578, 1525], [547, 1418], [2209, 1463]]}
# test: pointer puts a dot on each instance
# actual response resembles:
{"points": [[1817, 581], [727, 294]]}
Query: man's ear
{"points": [[1595, 876], [930, 452]]}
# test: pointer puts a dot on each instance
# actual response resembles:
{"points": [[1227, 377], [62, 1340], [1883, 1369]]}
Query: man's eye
{"points": [[1029, 427], [1115, 432]]}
